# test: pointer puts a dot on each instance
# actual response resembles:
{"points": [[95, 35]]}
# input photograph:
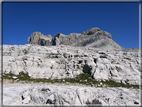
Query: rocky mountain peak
{"points": [[91, 31], [58, 35], [49, 36], [93, 37], [35, 35], [39, 39], [96, 31]]}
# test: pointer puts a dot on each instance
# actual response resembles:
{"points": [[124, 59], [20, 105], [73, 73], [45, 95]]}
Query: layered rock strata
{"points": [[91, 38], [67, 62]]}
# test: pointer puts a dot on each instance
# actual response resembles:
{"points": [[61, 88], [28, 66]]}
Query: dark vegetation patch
{"points": [[83, 78]]}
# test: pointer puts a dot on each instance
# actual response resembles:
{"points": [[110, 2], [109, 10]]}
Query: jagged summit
{"points": [[91, 38], [49, 36], [40, 39], [97, 31]]}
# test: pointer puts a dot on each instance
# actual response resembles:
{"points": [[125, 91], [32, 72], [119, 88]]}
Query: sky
{"points": [[20, 20]]}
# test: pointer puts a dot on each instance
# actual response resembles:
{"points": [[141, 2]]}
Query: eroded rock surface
{"points": [[37, 94], [67, 62], [40, 39], [91, 38]]}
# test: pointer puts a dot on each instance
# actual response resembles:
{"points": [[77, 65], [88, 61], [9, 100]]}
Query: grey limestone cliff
{"points": [[40, 39], [91, 38]]}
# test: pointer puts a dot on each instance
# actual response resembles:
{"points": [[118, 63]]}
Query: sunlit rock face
{"points": [[91, 38], [30, 94], [67, 62], [40, 39]]}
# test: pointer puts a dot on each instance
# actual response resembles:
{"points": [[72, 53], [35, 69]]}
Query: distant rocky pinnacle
{"points": [[91, 38], [40, 39]]}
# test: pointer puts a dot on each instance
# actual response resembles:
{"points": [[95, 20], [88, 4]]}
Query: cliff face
{"points": [[91, 38], [40, 39]]}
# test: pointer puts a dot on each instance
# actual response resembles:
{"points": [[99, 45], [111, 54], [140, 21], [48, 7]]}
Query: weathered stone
{"points": [[40, 39], [67, 62], [54, 95], [91, 38]]}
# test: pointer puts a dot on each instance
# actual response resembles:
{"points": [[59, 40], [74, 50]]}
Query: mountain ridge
{"points": [[91, 38]]}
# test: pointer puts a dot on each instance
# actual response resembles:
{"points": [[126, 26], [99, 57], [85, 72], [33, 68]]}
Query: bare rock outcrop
{"points": [[40, 39], [67, 62], [54, 95], [91, 38]]}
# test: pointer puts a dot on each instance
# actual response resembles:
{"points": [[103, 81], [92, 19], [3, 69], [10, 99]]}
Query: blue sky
{"points": [[20, 20]]}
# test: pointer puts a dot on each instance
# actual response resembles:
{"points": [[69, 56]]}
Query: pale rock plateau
{"points": [[67, 62]]}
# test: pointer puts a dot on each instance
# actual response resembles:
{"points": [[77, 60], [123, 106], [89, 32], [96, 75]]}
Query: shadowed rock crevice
{"points": [[87, 69], [94, 103], [49, 101], [95, 60]]}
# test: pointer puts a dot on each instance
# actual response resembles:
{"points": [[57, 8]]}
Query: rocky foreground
{"points": [[71, 94]]}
